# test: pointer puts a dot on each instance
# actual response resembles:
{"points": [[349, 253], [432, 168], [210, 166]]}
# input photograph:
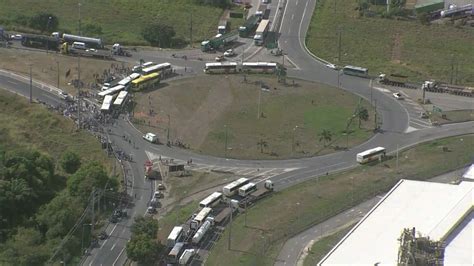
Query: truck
{"points": [[151, 137], [261, 12], [257, 194], [396, 80], [39, 41], [150, 173], [219, 41], [434, 86], [174, 236], [261, 32], [186, 256], [69, 38], [100, 54], [249, 26], [202, 230], [118, 49], [222, 27]]}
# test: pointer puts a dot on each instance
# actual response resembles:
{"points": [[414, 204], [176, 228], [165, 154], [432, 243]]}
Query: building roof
{"points": [[434, 209], [469, 174]]}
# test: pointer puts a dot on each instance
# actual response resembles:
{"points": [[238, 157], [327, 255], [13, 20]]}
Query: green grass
{"points": [[26, 125], [425, 52], [285, 213], [454, 116], [121, 20], [185, 186], [321, 247]]}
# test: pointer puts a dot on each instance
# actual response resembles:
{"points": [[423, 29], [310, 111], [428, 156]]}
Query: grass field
{"points": [[32, 126], [390, 45], [288, 212], [122, 20], [320, 248], [45, 69], [203, 109], [453, 116], [178, 215]]}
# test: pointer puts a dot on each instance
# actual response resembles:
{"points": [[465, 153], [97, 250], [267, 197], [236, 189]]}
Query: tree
{"points": [[158, 34], [362, 114], [145, 225], [262, 144], [44, 22], [86, 178], [91, 29], [70, 162], [143, 249], [325, 136]]}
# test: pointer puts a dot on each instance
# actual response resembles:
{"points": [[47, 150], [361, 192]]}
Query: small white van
{"points": [[79, 45]]}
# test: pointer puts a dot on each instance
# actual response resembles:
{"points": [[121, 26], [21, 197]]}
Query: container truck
{"points": [[261, 32], [222, 27], [249, 26], [174, 236], [40, 41], [101, 54], [186, 256], [202, 231], [219, 41], [69, 38]]}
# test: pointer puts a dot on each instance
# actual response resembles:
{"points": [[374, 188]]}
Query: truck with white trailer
{"points": [[261, 32], [186, 256], [174, 236], [70, 38], [219, 41]]}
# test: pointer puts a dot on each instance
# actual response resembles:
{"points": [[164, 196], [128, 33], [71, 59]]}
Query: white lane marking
{"points": [[382, 89], [109, 234], [283, 19], [418, 124], [120, 254], [296, 2], [11, 82], [113, 246], [292, 16], [289, 31]]}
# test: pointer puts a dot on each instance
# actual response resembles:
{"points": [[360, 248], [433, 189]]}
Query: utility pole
{"points": [[397, 157], [259, 100], [452, 70], [93, 205], [375, 114], [191, 28], [339, 46], [79, 92], [230, 225], [79, 28], [388, 6], [31, 84], [169, 125], [57, 66], [225, 146], [371, 90], [245, 217]]}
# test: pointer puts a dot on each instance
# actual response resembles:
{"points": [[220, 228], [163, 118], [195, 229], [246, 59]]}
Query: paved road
{"points": [[297, 14]]}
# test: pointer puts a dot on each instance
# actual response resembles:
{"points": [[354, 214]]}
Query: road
{"points": [[395, 117]]}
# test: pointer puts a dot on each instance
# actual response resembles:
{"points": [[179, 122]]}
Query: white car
{"points": [[16, 37], [331, 66], [229, 52], [158, 195], [63, 95], [151, 210], [398, 96]]}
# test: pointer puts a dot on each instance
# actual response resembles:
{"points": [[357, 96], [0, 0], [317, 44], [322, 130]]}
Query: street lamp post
{"points": [[47, 28], [293, 140], [225, 146], [82, 236]]}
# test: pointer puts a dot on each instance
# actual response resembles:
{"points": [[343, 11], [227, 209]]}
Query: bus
{"points": [[247, 189], [370, 155], [259, 67], [164, 69], [111, 91], [174, 236], [261, 32], [212, 200], [175, 252], [122, 96], [106, 104], [214, 68], [200, 217], [356, 71], [146, 82], [232, 188]]}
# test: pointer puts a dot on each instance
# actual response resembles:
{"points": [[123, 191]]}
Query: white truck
{"points": [[151, 137], [186, 256], [261, 32], [174, 236]]}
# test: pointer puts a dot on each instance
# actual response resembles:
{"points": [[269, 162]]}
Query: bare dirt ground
{"points": [[44, 67]]}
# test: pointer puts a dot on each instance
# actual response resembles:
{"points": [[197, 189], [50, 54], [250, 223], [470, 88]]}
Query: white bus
{"points": [[370, 155], [232, 188], [247, 189], [212, 200], [175, 252], [164, 69], [356, 71], [122, 96], [106, 104], [174, 236], [259, 67], [111, 91], [200, 217], [212, 68]]}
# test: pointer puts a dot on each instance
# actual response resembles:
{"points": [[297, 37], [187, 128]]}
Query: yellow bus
{"points": [[146, 82]]}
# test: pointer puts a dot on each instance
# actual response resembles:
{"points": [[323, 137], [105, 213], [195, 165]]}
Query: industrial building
{"points": [[439, 212]]}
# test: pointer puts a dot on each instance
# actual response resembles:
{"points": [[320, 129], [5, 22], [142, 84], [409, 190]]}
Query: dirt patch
{"points": [[45, 67]]}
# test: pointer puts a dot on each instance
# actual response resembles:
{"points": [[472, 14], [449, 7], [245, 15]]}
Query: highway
{"points": [[395, 120]]}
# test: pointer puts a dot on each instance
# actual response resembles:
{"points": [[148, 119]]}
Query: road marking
{"points": [[113, 246], [109, 235], [11, 82], [296, 2], [382, 89], [419, 124], [289, 31], [292, 16], [288, 255], [120, 254]]}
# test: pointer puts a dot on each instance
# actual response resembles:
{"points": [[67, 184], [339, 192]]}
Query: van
{"points": [[150, 137], [79, 45]]}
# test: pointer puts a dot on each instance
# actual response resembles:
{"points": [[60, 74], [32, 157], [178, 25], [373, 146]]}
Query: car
{"points": [[424, 115], [103, 235], [229, 52], [398, 96], [16, 37], [63, 95], [220, 58], [158, 195], [331, 66], [151, 210], [161, 186]]}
